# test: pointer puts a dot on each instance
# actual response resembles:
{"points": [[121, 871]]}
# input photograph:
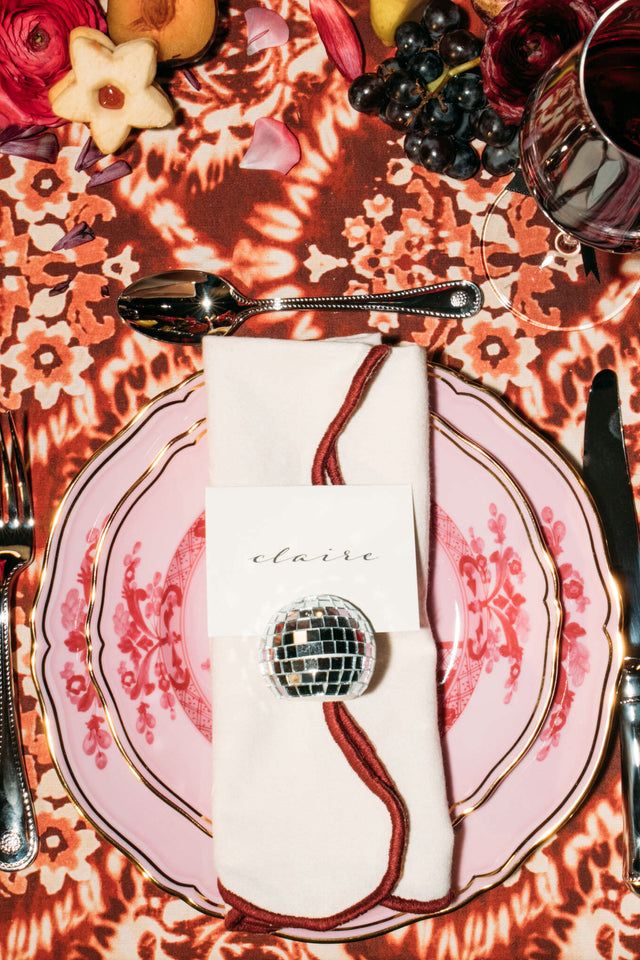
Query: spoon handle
{"points": [[452, 300]]}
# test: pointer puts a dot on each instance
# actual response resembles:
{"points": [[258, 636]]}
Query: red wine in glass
{"points": [[612, 88], [580, 154], [580, 138]]}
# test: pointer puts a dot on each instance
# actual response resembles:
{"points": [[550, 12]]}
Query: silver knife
{"points": [[606, 472]]}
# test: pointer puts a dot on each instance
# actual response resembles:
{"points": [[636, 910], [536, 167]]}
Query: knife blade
{"points": [[606, 473]]}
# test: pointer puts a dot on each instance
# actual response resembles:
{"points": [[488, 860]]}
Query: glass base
{"points": [[536, 270]]}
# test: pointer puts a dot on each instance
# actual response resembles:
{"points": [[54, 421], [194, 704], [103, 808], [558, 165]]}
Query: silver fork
{"points": [[18, 832]]}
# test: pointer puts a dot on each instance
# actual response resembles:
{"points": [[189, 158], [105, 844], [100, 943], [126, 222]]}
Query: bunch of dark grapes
{"points": [[432, 89]]}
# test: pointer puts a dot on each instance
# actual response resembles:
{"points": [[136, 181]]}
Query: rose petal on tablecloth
{"points": [[273, 147], [265, 28]]}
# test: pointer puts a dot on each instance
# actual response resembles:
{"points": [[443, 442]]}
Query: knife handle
{"points": [[629, 717]]}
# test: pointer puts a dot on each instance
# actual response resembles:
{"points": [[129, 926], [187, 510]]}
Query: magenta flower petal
{"points": [[81, 233], [88, 155], [113, 172], [273, 147], [43, 147], [191, 78], [61, 287], [265, 29], [14, 132], [339, 36]]}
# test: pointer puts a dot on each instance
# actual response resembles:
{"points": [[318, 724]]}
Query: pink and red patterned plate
{"points": [[494, 604], [171, 842]]}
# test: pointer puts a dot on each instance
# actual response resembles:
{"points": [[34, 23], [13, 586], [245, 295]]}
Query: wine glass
{"points": [[580, 158]]}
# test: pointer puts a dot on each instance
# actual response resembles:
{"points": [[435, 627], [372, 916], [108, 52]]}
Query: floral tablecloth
{"points": [[353, 215]]}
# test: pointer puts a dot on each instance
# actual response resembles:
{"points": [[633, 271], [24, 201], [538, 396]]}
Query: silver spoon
{"points": [[183, 306]]}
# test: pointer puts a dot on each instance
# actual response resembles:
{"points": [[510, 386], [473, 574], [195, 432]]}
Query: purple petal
{"points": [[61, 287], [116, 170], [88, 155], [12, 132], [33, 131], [43, 147], [81, 233], [15, 132], [191, 78], [273, 147], [265, 28]]}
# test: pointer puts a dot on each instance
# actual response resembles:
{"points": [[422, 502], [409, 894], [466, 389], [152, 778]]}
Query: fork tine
{"points": [[7, 477], [21, 472]]}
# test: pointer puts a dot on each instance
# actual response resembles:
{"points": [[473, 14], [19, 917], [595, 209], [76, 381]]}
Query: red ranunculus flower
{"points": [[523, 41], [34, 54]]}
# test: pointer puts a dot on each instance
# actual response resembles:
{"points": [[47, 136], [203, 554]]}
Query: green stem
{"points": [[463, 67], [436, 85]]}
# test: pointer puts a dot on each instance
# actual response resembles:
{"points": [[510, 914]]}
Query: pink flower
{"points": [[523, 41], [34, 54]]}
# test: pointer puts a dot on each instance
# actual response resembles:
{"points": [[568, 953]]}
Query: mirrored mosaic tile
{"points": [[319, 646]]}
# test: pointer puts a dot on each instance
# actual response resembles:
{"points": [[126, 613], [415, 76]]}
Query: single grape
{"points": [[403, 90], [466, 91], [474, 119], [442, 117], [436, 153], [465, 164], [410, 38], [492, 128], [464, 130], [423, 124], [440, 17], [501, 160], [367, 93], [426, 66], [412, 145], [459, 46], [398, 116], [389, 66]]}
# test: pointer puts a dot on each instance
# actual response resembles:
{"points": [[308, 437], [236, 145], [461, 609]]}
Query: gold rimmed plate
{"points": [[169, 845]]}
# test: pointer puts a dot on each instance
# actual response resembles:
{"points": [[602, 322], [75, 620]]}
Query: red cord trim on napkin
{"points": [[350, 737], [363, 759], [325, 463], [417, 906]]}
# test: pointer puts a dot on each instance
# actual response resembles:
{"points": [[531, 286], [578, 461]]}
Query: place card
{"points": [[269, 546]]}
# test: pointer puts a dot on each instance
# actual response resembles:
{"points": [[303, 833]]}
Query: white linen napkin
{"points": [[300, 838]]}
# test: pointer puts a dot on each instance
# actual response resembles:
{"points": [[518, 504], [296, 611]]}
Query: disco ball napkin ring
{"points": [[319, 646]]}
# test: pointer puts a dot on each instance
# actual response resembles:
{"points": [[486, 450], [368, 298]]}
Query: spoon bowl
{"points": [[183, 306]]}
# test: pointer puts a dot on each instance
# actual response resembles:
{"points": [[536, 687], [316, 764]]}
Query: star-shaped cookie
{"points": [[110, 88]]}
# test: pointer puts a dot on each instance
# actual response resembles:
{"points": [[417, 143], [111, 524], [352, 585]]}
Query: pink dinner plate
{"points": [[494, 605], [173, 848]]}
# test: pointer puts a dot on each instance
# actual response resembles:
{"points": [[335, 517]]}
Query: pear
{"points": [[387, 15]]}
